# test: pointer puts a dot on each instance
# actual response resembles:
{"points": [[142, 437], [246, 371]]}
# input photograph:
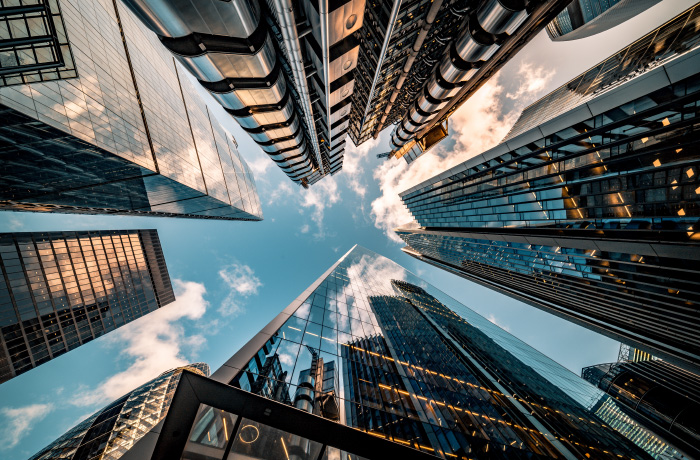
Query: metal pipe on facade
{"points": [[417, 45], [492, 19], [385, 45], [229, 48], [285, 14], [323, 19]]}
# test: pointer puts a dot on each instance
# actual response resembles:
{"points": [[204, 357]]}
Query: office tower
{"points": [[60, 290], [583, 18], [402, 362], [110, 432], [117, 129], [657, 395], [299, 75], [589, 208]]}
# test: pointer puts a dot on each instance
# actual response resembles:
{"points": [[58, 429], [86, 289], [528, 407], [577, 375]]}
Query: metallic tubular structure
{"points": [[387, 37], [256, 59], [429, 20], [492, 23], [285, 14]]}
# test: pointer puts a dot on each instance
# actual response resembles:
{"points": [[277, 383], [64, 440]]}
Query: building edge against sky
{"points": [[595, 187], [114, 429], [408, 364], [60, 290], [124, 132], [585, 18]]}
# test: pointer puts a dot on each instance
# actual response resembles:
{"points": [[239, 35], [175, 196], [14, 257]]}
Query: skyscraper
{"points": [[110, 432], [402, 362], [60, 290], [657, 395], [117, 128], [583, 18], [589, 208], [300, 75]]}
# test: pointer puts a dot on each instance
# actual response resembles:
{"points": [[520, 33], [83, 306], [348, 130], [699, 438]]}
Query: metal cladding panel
{"points": [[343, 64], [345, 20], [565, 120], [341, 93], [644, 84]]}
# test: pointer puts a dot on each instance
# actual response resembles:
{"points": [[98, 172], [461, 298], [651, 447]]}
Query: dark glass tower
{"points": [[110, 432], [116, 128], [583, 18], [656, 394], [375, 348], [59, 290], [589, 208]]}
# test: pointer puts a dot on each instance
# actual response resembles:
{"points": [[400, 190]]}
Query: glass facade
{"points": [[668, 41], [109, 433], [583, 18], [378, 349], [656, 394], [595, 222], [129, 135], [60, 290], [33, 43]]}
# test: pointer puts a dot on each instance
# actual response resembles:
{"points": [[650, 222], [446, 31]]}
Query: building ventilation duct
{"points": [[492, 23]]}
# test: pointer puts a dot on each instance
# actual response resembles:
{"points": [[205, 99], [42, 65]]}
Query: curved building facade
{"points": [[584, 18], [657, 394], [282, 69], [111, 432]]}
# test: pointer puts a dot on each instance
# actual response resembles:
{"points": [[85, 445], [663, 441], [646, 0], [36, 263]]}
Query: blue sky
{"points": [[231, 278]]}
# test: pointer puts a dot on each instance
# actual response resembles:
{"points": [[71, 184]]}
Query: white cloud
{"points": [[154, 342], [495, 321], [15, 224], [353, 165], [305, 228], [476, 126], [280, 193], [260, 166], [533, 80], [19, 422], [242, 283], [318, 197]]}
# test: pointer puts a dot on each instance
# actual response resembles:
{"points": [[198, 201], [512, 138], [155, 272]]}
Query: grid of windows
{"points": [[676, 37], [140, 141], [420, 369], [112, 431], [33, 43], [635, 162], [61, 290]]}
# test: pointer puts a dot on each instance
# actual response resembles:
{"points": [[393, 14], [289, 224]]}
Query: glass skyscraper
{"points": [[589, 208], [116, 129], [113, 430], [60, 290], [376, 348], [583, 18]]}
